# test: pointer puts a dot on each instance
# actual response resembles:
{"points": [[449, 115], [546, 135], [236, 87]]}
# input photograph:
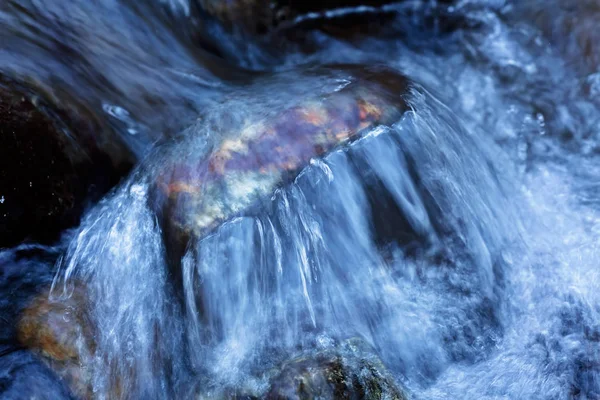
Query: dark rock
{"points": [[290, 28], [261, 16], [46, 175], [416, 25]]}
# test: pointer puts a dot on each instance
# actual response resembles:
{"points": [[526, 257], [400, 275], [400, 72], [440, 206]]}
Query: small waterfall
{"points": [[373, 241], [445, 247]]}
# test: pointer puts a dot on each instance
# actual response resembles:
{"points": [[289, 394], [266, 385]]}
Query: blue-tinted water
{"points": [[491, 291]]}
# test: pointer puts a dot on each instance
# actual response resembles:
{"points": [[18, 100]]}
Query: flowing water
{"points": [[459, 242]]}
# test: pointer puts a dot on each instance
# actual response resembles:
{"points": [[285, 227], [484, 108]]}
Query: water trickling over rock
{"points": [[445, 250]]}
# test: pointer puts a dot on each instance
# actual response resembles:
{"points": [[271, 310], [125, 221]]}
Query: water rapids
{"points": [[454, 244]]}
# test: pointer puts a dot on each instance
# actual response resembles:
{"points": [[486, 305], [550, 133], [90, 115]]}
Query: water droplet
{"points": [[116, 111], [131, 126]]}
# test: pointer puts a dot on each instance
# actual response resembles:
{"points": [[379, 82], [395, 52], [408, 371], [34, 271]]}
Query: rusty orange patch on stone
{"points": [[54, 326], [182, 187], [315, 116], [369, 111]]}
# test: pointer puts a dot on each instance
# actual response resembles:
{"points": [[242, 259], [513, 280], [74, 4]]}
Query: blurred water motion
{"points": [[449, 251]]}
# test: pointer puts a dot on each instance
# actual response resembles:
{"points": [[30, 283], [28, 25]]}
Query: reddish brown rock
{"points": [[195, 196], [58, 329]]}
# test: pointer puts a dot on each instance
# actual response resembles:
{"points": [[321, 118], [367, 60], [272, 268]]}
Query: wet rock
{"points": [[195, 195], [345, 374], [395, 22], [23, 270], [46, 175], [293, 28], [58, 329], [57, 326], [348, 370], [38, 186], [260, 16]]}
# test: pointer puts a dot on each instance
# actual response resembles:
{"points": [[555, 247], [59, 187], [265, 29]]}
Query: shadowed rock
{"points": [[46, 175], [260, 16]]}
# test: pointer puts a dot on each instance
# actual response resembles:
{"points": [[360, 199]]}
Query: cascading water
{"points": [[310, 270], [455, 245]]}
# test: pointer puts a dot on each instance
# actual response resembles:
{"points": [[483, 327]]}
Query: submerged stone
{"points": [[343, 374], [59, 330], [57, 326]]}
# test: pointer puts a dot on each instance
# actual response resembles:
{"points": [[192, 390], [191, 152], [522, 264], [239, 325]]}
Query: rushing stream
{"points": [[452, 244]]}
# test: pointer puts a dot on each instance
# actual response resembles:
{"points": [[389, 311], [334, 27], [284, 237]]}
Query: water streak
{"points": [[459, 242]]}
